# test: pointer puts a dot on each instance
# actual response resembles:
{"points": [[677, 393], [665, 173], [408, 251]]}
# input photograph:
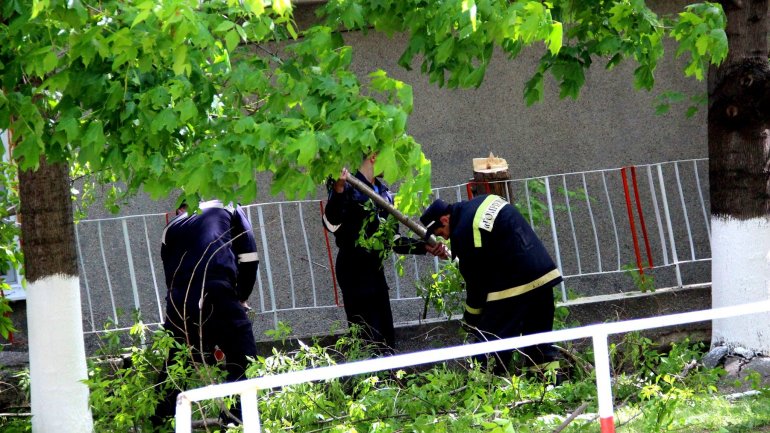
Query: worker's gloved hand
{"points": [[438, 249], [339, 185]]}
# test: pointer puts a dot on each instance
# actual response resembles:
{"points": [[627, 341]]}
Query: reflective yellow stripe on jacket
{"points": [[485, 216], [524, 288], [472, 310]]}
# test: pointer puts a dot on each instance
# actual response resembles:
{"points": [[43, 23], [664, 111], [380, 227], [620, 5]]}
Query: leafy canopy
{"points": [[455, 39], [197, 96]]}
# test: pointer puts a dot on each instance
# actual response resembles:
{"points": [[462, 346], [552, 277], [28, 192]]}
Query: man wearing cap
{"points": [[509, 275], [210, 263], [360, 273]]}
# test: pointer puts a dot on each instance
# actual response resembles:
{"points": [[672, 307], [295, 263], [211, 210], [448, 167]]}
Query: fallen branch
{"points": [[571, 417]]}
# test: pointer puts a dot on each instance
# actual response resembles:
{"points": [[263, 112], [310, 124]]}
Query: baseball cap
{"points": [[432, 215]]}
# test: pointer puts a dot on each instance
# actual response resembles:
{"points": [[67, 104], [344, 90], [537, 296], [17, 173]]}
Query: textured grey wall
{"points": [[611, 125]]}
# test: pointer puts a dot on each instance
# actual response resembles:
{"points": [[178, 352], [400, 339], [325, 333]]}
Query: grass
{"points": [[655, 390], [714, 414]]}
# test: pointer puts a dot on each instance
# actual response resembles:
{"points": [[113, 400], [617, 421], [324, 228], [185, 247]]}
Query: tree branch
{"points": [[571, 417]]}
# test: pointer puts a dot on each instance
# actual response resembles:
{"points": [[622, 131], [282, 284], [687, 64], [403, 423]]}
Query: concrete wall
{"points": [[611, 125]]}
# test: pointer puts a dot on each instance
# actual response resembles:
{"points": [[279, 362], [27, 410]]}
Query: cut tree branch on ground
{"points": [[571, 417]]}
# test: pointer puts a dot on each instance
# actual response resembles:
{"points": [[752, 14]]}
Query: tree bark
{"points": [[59, 398], [47, 228], [490, 176], [739, 174]]}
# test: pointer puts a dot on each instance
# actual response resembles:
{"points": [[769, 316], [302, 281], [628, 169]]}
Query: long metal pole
{"points": [[381, 202]]}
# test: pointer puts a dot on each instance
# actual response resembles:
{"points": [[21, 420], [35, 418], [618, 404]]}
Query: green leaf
{"points": [[141, 16], [614, 61], [694, 68], [50, 61], [93, 145], [346, 131], [702, 44], [232, 39], [533, 90], [352, 16], [292, 31], [444, 50], [719, 46], [166, 119], [242, 165], [673, 96], [255, 6], [28, 151], [619, 16], [94, 134], [187, 110], [554, 41], [475, 77], [38, 6], [406, 96], [157, 164], [197, 175], [245, 124], [308, 147], [224, 26], [643, 77], [70, 126], [387, 164], [282, 7], [470, 7], [181, 66]]}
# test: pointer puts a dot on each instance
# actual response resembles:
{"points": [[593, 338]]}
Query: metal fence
{"points": [[600, 226], [599, 334]]}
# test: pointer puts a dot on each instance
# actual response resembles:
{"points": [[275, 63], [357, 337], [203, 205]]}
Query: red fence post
{"points": [[641, 218], [469, 190], [331, 260], [631, 221]]}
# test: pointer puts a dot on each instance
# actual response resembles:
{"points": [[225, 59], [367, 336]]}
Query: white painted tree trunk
{"points": [[57, 356], [740, 271]]}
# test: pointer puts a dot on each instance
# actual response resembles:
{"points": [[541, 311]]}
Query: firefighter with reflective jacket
{"points": [[509, 275], [210, 263], [359, 270]]}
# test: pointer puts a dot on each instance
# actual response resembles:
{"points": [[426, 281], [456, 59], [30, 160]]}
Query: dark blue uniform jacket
{"points": [[500, 255], [346, 213], [216, 246]]}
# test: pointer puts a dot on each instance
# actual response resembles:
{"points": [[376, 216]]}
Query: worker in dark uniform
{"points": [[210, 263], [509, 275], [360, 270]]}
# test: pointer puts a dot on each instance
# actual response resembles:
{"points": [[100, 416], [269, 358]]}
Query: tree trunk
{"points": [[490, 176], [739, 165], [56, 349]]}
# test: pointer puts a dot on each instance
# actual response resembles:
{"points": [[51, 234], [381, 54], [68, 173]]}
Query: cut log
{"points": [[489, 177]]}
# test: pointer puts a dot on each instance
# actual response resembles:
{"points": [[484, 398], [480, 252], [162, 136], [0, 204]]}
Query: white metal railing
{"points": [[590, 235], [599, 333], [614, 192]]}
